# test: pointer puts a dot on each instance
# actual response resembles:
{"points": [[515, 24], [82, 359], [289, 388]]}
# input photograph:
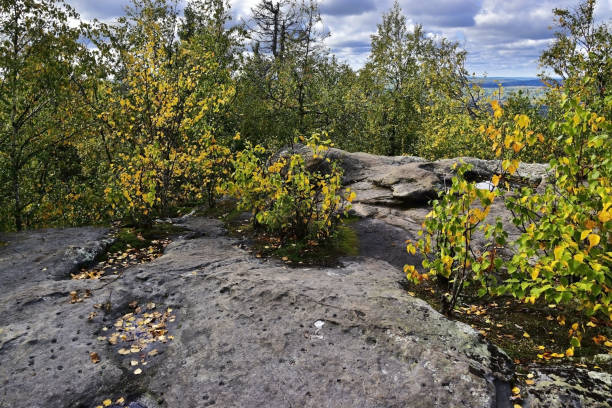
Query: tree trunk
{"points": [[275, 12], [16, 196]]}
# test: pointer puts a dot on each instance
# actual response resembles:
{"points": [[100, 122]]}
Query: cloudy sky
{"points": [[503, 37]]}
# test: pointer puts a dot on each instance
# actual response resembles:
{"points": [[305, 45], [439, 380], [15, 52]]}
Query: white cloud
{"points": [[503, 37]]}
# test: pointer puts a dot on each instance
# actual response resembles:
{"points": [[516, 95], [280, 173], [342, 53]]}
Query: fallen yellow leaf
{"points": [[107, 402], [526, 335], [95, 358]]}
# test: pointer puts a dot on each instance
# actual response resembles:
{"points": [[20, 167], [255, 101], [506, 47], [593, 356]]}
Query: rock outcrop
{"points": [[243, 332], [209, 324], [396, 190]]}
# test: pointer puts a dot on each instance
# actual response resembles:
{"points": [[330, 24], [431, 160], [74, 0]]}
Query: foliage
{"points": [[283, 80], [287, 198], [581, 50], [448, 242], [564, 250], [564, 253], [449, 130], [165, 152], [408, 76], [41, 62]]}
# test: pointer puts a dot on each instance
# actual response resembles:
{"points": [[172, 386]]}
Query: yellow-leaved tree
{"points": [[159, 109]]}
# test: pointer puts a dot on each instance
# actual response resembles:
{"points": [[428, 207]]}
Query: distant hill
{"points": [[507, 82]]}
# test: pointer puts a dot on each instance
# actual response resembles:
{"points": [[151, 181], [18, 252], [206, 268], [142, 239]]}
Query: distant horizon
{"points": [[492, 82]]}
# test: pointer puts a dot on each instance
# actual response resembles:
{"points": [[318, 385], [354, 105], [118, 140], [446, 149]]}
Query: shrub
{"points": [[286, 198], [564, 252], [448, 241]]}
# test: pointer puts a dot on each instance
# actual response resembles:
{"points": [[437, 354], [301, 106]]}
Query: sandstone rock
{"points": [[247, 333], [561, 387], [34, 256], [254, 333], [407, 181]]}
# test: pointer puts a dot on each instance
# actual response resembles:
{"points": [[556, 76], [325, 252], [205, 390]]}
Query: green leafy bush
{"points": [[448, 239], [564, 251], [286, 198]]}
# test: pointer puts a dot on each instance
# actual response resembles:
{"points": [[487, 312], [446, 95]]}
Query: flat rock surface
{"points": [[35, 256], [208, 324], [242, 333]]}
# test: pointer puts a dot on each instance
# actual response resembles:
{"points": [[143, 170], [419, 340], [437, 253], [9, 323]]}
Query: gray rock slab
{"points": [[248, 333], [37, 256], [560, 387]]}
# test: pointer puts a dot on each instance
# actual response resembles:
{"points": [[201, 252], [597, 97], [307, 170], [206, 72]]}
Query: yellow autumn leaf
{"points": [[585, 234], [569, 352], [522, 121], [513, 167], [516, 390], [497, 110], [107, 402], [593, 240], [517, 146], [411, 249], [558, 252], [94, 357], [526, 335], [495, 180], [605, 215]]}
